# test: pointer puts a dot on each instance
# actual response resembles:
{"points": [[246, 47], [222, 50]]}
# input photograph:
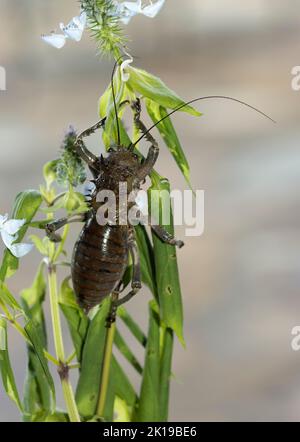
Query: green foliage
{"points": [[154, 88], [168, 133], [7, 374], [91, 364], [39, 386], [149, 406], [77, 321], [42, 373], [159, 272], [166, 269]]}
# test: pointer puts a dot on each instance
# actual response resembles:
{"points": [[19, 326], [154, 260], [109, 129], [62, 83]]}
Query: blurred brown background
{"points": [[241, 279]]}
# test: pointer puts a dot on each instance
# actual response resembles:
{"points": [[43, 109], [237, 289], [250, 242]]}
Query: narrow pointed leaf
{"points": [[146, 258], [149, 406], [126, 352], [167, 277], [132, 325], [168, 133], [37, 389], [122, 386], [8, 298], [77, 321], [7, 374], [33, 332], [154, 88], [91, 365], [165, 372]]}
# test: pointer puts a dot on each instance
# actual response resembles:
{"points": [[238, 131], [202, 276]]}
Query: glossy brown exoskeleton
{"points": [[100, 255]]}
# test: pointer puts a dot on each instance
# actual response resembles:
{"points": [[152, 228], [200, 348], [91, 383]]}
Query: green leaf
{"points": [[152, 87], [132, 325], [126, 352], [37, 389], [168, 133], [149, 405], [7, 375], [8, 298], [25, 207], [122, 411], [167, 277], [40, 244], [74, 201], [36, 339], [107, 109], [58, 416], [91, 365], [77, 321], [165, 372], [49, 172], [122, 386], [146, 258]]}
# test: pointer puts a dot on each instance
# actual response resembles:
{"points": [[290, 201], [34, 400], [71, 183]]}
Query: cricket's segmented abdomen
{"points": [[99, 260]]}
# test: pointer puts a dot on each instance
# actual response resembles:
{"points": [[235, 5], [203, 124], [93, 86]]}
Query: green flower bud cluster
{"points": [[70, 169]]}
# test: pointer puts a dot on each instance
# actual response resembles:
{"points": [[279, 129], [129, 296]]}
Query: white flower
{"points": [[72, 31], [127, 10], [124, 11], [153, 9], [9, 233], [125, 75]]}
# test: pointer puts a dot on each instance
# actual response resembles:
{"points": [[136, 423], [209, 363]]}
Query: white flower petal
{"points": [[81, 20], [7, 238], [153, 9], [75, 28], [56, 40], [12, 226], [125, 75], [127, 10], [21, 249], [133, 7], [73, 33], [3, 219]]}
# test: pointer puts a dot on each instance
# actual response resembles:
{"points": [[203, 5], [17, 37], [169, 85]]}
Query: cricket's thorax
{"points": [[118, 173]]}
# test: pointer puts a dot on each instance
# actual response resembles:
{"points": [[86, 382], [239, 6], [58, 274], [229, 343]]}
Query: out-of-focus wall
{"points": [[241, 279]]}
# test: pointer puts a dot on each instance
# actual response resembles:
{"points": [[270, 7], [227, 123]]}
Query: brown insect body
{"points": [[100, 255]]}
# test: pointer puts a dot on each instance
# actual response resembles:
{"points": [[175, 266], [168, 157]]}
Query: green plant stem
{"points": [[59, 346], [109, 340], [70, 400], [10, 318]]}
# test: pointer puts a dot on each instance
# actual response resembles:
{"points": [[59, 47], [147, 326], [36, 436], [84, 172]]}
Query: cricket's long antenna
{"points": [[223, 97]]}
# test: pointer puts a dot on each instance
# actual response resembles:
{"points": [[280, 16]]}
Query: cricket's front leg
{"points": [[147, 166], [53, 226], [86, 155]]}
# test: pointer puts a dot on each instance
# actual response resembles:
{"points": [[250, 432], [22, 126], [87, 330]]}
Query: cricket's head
{"points": [[121, 165]]}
